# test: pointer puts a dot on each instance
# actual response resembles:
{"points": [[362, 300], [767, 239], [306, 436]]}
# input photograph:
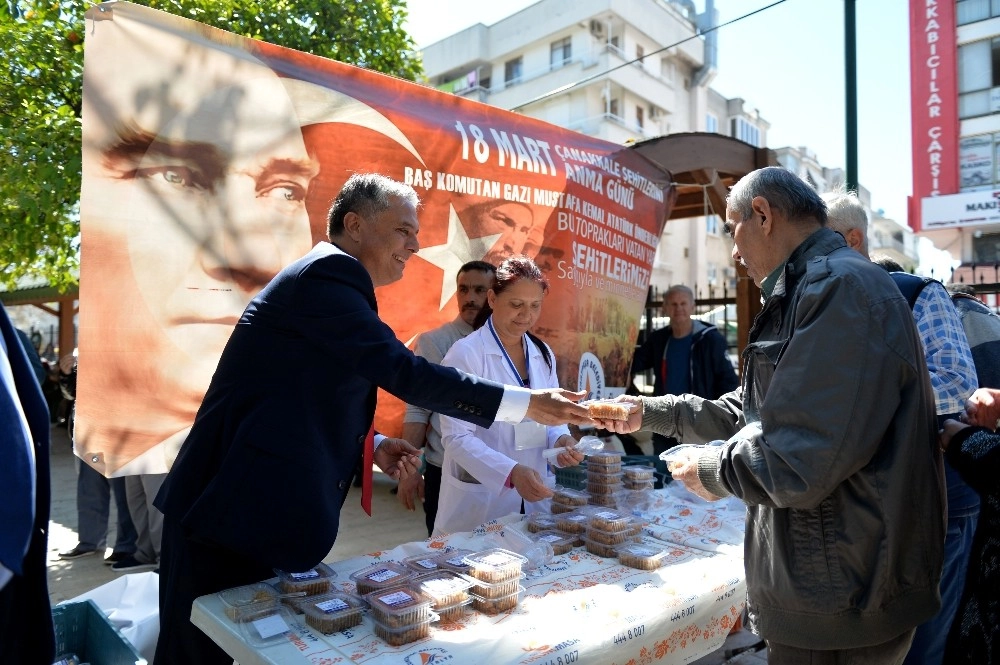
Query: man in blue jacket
{"points": [[261, 478], [26, 634], [687, 357]]}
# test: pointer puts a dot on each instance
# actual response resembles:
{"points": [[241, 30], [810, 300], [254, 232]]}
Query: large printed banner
{"points": [[209, 162]]}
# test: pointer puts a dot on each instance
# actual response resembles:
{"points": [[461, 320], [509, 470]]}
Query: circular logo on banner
{"points": [[591, 377]]}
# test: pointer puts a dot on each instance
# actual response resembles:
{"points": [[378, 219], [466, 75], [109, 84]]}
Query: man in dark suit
{"points": [[261, 478], [26, 635]]}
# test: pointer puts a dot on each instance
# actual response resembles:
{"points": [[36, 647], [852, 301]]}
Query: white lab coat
{"points": [[488, 454]]}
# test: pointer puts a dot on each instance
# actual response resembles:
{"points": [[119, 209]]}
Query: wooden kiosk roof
{"points": [[703, 167]]}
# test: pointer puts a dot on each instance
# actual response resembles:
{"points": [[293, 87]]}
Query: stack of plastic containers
{"points": [[540, 522], [574, 523], [448, 591], [604, 477], [638, 478], [326, 610], [561, 543], [332, 612], [497, 573], [400, 614], [565, 500], [606, 530]]}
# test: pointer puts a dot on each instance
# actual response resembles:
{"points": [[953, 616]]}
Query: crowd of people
{"points": [[863, 478]]}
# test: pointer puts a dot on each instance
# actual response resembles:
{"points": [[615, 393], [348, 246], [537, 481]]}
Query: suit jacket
{"points": [[275, 444], [26, 634]]}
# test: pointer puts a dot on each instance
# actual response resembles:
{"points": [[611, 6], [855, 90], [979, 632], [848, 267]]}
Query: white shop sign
{"points": [[960, 210]]}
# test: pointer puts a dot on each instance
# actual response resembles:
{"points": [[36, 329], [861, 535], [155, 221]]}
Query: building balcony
{"points": [[598, 125], [531, 84]]}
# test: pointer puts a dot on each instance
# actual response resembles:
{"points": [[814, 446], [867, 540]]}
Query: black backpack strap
{"points": [[910, 285]]}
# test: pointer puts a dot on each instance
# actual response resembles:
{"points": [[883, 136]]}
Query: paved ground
{"points": [[389, 526]]}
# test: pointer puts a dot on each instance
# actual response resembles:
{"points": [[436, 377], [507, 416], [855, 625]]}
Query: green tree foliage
{"points": [[41, 89]]}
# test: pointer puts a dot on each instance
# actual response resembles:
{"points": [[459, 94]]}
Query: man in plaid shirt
{"points": [[953, 378]]}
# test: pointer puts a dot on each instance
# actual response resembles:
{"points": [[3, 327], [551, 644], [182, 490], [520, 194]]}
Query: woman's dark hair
{"points": [[511, 270]]}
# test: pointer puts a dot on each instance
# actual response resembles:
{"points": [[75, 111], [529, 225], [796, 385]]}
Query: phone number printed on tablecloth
{"points": [[631, 633]]}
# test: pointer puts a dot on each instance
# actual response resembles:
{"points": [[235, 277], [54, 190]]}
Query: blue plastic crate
{"points": [[82, 629]]}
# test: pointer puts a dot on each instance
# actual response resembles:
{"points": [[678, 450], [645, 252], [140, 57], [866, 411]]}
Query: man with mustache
{"points": [[421, 427]]}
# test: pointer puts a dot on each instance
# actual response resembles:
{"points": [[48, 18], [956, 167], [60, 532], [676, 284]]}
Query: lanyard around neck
{"points": [[510, 363]]}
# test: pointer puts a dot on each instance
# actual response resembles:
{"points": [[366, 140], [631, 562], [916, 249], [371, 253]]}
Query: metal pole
{"points": [[851, 94]]}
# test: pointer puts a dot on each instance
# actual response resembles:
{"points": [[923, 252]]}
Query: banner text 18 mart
{"points": [[210, 161]]}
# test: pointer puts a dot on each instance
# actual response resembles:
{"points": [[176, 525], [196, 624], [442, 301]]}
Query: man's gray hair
{"points": [[679, 288], [846, 212], [783, 190], [366, 194]]}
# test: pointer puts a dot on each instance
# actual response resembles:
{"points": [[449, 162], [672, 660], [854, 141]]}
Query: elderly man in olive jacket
{"points": [[830, 441]]}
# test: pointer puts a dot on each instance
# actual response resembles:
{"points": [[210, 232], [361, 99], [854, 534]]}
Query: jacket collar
{"points": [[820, 243], [462, 326]]}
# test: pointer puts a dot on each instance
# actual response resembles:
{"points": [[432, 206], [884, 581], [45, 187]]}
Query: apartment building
{"points": [[620, 70]]}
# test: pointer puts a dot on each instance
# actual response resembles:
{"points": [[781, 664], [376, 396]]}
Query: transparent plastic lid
{"points": [[273, 627], [455, 560], [444, 587], [541, 521], [569, 497], [641, 555], [399, 606], [251, 594], [312, 581], [605, 457], [677, 455], [397, 600], [575, 521], [422, 563], [381, 575], [609, 520], [559, 541], [332, 605], [495, 564], [638, 473]]}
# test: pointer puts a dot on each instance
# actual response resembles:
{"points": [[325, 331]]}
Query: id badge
{"points": [[529, 434]]}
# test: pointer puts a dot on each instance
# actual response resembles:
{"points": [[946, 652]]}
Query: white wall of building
{"points": [[666, 92]]}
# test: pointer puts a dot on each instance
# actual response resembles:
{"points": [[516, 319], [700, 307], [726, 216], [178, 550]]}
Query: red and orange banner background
{"points": [[210, 161]]}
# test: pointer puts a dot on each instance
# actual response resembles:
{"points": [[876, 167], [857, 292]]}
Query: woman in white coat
{"points": [[487, 472]]}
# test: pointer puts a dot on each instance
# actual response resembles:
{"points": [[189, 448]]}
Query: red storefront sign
{"points": [[933, 101]]}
